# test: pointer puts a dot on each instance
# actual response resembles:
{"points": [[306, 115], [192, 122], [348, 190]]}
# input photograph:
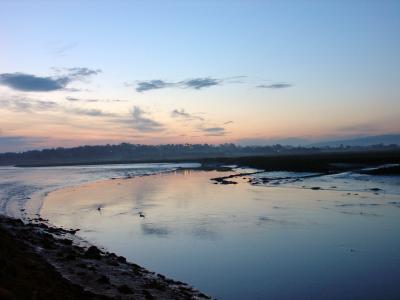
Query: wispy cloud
{"points": [[199, 83], [61, 49], [214, 131], [143, 86], [27, 105], [32, 83], [74, 99], [22, 104], [181, 113], [144, 124], [80, 73], [93, 112], [200, 124], [193, 83], [278, 85]]}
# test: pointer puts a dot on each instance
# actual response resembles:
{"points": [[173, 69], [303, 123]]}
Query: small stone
{"points": [[124, 289], [121, 259], [93, 253], [103, 280]]}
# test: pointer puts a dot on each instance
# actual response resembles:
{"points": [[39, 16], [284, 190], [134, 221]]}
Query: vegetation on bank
{"points": [[321, 162], [133, 153]]}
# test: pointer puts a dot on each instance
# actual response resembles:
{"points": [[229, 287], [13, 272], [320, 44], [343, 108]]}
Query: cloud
{"points": [[279, 85], [214, 131], [61, 49], [151, 229], [194, 83], [199, 83], [144, 124], [74, 99], [181, 113], [82, 72], [21, 104], [93, 112], [143, 86], [32, 83], [27, 105], [201, 125]]}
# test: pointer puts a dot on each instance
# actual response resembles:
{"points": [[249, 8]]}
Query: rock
{"points": [[315, 188], [82, 265], [72, 231], [67, 242], [111, 254], [121, 259], [124, 289], [203, 296], [103, 280], [70, 256], [93, 253], [147, 295], [228, 182], [112, 263]]}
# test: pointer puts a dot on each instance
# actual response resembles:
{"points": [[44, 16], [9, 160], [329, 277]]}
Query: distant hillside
{"points": [[137, 153], [124, 153], [387, 139]]}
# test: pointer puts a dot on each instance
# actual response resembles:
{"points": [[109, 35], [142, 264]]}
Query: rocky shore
{"points": [[39, 261]]}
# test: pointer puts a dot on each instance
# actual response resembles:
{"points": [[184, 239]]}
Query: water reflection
{"points": [[242, 241]]}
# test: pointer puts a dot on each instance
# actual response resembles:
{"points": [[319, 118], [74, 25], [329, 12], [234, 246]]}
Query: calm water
{"points": [[276, 241]]}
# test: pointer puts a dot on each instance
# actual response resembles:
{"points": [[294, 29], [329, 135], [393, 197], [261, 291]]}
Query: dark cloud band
{"points": [[194, 83], [279, 85], [32, 83]]}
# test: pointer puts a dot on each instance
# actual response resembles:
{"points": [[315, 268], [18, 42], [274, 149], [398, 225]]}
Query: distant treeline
{"points": [[148, 153]]}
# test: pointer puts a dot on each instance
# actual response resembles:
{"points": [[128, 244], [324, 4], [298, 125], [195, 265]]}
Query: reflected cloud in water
{"points": [[152, 229]]}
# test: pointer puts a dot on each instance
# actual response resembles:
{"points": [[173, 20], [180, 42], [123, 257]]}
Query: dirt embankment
{"points": [[38, 261]]}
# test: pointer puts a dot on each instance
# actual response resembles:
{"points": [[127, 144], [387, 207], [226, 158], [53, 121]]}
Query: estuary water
{"points": [[19, 186], [326, 237]]}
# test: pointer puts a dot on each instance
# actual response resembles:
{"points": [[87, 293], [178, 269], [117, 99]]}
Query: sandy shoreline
{"points": [[86, 271]]}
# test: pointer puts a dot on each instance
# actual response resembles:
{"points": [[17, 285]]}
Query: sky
{"points": [[156, 72]]}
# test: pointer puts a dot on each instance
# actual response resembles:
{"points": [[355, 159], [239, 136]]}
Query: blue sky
{"points": [[234, 69]]}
